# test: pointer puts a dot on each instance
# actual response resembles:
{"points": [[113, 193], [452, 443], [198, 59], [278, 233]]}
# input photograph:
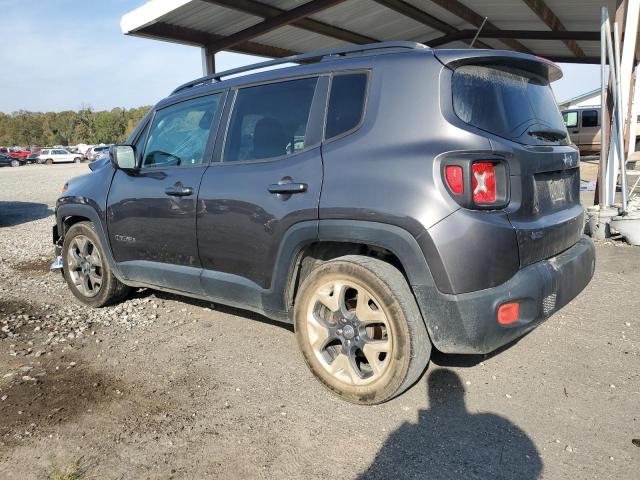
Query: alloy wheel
{"points": [[85, 265], [349, 332]]}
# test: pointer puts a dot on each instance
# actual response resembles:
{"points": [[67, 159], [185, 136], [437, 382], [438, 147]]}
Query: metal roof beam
{"points": [[553, 22], [421, 16], [284, 18], [511, 34], [204, 39], [460, 10], [262, 10]]}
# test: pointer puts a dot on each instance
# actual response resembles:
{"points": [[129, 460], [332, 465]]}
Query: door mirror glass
{"points": [[123, 156]]}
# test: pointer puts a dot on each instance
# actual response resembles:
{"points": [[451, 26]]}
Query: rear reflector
{"points": [[453, 174], [483, 183], [508, 313]]}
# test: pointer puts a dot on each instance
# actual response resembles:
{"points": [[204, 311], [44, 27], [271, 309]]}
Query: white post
{"points": [[626, 64], [205, 62], [635, 112]]}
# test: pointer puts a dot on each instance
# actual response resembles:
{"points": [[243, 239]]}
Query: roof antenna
{"points": [[478, 32]]}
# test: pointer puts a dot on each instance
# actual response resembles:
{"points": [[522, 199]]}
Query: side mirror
{"points": [[123, 156]]}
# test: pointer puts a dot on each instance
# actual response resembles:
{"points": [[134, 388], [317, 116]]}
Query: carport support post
{"points": [[208, 61]]}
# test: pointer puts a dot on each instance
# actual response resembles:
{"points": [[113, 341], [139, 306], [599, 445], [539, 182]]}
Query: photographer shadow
{"points": [[449, 442]]}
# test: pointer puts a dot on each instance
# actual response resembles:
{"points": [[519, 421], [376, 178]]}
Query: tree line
{"points": [[28, 129]]}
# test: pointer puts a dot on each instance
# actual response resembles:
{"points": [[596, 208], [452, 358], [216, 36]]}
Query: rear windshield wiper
{"points": [[548, 134]]}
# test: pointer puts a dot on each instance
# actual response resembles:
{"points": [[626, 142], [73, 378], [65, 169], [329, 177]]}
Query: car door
{"points": [[57, 156], [151, 211], [267, 178], [590, 130]]}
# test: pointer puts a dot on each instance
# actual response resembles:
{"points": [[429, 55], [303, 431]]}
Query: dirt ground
{"points": [[167, 387]]}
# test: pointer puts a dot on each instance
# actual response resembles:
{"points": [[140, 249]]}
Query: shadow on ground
{"points": [[449, 442], [16, 213]]}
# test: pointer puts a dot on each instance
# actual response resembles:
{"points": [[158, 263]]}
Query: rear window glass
{"points": [[346, 103], [508, 102]]}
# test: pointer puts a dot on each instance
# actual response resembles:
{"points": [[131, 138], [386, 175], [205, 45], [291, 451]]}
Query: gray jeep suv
{"points": [[384, 199]]}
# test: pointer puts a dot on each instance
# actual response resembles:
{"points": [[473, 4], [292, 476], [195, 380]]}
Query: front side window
{"points": [[270, 121], [346, 103], [179, 133], [570, 119], [590, 118]]}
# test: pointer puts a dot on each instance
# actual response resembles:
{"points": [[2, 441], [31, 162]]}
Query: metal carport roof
{"points": [[561, 30]]}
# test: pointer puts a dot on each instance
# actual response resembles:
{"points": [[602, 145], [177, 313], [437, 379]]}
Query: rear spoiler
{"points": [[453, 59]]}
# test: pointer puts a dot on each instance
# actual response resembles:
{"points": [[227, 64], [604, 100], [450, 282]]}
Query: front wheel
{"points": [[15, 163], [87, 270], [360, 330], [49, 161]]}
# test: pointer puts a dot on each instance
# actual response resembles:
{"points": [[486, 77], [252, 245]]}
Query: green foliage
{"points": [[68, 128]]}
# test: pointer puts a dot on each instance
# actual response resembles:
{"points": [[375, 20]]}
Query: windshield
{"points": [[508, 102]]}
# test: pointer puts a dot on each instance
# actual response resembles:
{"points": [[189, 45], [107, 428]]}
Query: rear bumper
{"points": [[467, 323]]}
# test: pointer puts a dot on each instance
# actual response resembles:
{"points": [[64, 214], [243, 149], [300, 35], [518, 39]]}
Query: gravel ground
{"points": [[166, 387]]}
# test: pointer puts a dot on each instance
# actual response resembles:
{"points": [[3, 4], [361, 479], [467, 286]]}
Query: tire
{"points": [[49, 161], [15, 163], [84, 268], [77, 160], [333, 339]]}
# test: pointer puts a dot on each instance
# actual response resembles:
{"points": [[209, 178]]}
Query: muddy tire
{"points": [[360, 330], [86, 269]]}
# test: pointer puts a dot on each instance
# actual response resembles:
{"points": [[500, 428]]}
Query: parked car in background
{"points": [[33, 156], [15, 152], [94, 152], [58, 155], [6, 160], [383, 202], [585, 129]]}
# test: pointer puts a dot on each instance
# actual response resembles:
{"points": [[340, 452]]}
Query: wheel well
{"points": [[68, 222], [316, 253]]}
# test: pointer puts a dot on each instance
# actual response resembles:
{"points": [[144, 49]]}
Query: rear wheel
{"points": [[15, 163], [360, 330], [87, 270], [77, 160]]}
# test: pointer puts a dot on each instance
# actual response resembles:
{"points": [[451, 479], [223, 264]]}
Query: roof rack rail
{"points": [[317, 55]]}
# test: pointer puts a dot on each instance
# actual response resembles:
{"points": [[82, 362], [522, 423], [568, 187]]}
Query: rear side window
{"points": [[570, 119], [270, 121], [346, 103], [590, 118], [508, 102]]}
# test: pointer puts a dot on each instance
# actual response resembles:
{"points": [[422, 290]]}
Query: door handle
{"points": [[287, 188], [178, 191]]}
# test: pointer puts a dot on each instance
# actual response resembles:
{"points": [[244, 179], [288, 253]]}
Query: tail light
{"points": [[453, 174], [477, 184], [483, 183], [508, 313]]}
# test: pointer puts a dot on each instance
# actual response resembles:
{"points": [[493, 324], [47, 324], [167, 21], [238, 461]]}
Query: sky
{"points": [[65, 54]]}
